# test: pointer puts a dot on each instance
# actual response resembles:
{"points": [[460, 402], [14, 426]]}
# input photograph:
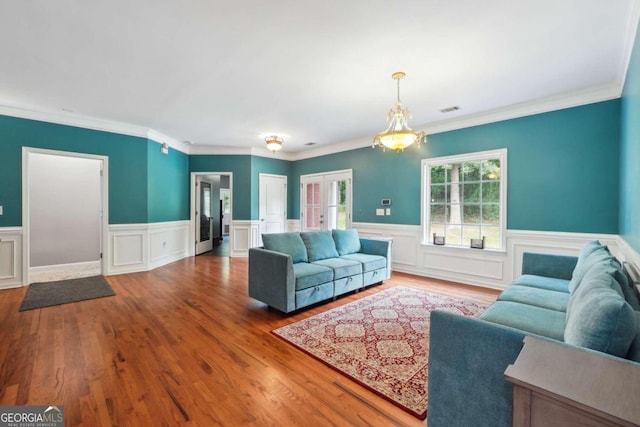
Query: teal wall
{"points": [[131, 167], [559, 170], [630, 152], [246, 171], [168, 184], [559, 178], [127, 165]]}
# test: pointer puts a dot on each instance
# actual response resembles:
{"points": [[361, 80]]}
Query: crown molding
{"points": [[538, 106], [630, 37], [87, 122], [72, 119], [162, 138], [543, 105]]}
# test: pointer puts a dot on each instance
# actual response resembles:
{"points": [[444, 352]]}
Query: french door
{"points": [[325, 201]]}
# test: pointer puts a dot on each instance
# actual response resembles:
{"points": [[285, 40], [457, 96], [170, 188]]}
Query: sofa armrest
{"points": [[380, 247], [467, 360], [549, 265], [271, 279]]}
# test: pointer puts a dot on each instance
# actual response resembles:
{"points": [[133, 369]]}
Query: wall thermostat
{"points": [[385, 202]]}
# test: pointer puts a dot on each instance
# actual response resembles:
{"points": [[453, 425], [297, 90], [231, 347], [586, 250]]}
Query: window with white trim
{"points": [[464, 198]]}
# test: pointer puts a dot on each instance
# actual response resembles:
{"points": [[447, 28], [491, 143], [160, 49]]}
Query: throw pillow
{"points": [[287, 243], [347, 241], [320, 245], [598, 317]]}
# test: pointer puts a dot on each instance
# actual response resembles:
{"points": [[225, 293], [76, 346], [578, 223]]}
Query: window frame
{"points": [[425, 193]]}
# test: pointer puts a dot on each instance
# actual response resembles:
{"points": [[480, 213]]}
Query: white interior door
{"points": [[273, 204], [203, 216], [325, 201]]}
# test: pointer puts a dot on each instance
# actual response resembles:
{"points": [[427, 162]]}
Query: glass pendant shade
{"points": [[398, 134], [274, 143]]}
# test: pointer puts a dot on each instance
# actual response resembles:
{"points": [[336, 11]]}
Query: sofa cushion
{"points": [[308, 275], [634, 348], [543, 298], [347, 241], [598, 317], [341, 267], [596, 277], [369, 262], [591, 253], [319, 244], [630, 293], [527, 318], [287, 243], [550, 283], [597, 256]]}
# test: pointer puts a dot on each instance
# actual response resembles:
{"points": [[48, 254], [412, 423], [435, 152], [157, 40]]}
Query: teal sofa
{"points": [[586, 301], [295, 270]]}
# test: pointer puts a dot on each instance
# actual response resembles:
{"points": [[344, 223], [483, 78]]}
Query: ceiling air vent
{"points": [[450, 109]]}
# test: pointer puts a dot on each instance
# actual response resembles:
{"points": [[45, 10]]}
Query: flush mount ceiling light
{"points": [[274, 143], [398, 134]]}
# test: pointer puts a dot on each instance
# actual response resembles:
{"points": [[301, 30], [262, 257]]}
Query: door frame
{"points": [[321, 176], [260, 195], [201, 247], [192, 210], [104, 188]]}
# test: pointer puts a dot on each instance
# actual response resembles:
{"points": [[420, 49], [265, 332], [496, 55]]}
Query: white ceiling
{"points": [[225, 72]]}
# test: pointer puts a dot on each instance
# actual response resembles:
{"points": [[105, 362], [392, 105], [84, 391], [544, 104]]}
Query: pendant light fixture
{"points": [[274, 143], [398, 134]]}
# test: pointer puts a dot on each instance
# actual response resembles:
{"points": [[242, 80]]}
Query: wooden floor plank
{"points": [[184, 345]]}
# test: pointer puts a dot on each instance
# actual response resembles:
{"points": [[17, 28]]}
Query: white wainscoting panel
{"points": [[10, 257], [406, 241], [246, 234], [293, 225], [142, 247], [495, 269]]}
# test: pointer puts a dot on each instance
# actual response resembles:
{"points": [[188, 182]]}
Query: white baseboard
{"points": [[50, 273]]}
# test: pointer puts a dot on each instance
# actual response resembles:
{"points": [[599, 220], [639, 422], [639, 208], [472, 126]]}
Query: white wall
{"points": [[64, 209]]}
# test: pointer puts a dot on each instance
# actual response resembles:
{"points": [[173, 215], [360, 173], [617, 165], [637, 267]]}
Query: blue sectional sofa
{"points": [[295, 270], [586, 301]]}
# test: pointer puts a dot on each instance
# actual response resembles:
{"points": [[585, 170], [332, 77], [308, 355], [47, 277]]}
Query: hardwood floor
{"points": [[184, 345]]}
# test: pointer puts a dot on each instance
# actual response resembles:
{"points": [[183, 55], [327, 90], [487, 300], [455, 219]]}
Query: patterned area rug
{"points": [[381, 341]]}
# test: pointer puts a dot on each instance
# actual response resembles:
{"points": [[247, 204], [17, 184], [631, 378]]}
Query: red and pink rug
{"points": [[381, 341]]}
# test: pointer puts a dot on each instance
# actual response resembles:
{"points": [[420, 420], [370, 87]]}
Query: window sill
{"points": [[463, 248]]}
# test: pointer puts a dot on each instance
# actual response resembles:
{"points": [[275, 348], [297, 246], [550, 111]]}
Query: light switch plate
{"points": [[380, 212], [0, 210], [388, 211]]}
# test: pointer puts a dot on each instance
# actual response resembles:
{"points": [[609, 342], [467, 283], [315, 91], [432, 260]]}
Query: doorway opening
{"points": [[211, 213], [64, 214]]}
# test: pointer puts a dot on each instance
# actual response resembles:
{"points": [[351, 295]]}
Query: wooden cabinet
{"points": [[557, 385]]}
